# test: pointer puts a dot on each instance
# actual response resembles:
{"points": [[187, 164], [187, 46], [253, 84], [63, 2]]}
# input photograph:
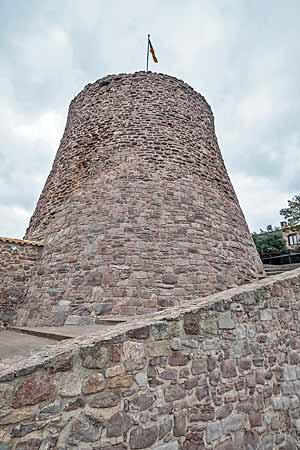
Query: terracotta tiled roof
{"points": [[21, 241]]}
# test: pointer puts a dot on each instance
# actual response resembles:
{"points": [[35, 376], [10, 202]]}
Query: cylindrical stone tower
{"points": [[138, 212]]}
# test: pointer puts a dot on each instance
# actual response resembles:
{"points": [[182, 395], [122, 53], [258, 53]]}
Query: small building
{"points": [[291, 234]]}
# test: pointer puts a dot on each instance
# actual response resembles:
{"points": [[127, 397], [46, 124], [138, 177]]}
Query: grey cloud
{"points": [[241, 55]]}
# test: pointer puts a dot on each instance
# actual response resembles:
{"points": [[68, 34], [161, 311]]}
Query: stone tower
{"points": [[138, 212]]}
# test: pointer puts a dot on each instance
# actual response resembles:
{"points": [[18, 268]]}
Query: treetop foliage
{"points": [[292, 213], [269, 242]]}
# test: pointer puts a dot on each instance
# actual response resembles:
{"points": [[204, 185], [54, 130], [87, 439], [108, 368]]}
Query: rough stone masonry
{"points": [[220, 373], [138, 212]]}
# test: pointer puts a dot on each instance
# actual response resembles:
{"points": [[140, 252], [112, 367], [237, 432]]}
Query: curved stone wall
{"points": [[221, 374], [138, 212]]}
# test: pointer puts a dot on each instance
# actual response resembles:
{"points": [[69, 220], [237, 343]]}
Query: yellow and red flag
{"points": [[152, 51]]}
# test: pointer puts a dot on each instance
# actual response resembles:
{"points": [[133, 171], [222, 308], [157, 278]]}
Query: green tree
{"points": [[269, 242], [292, 213]]}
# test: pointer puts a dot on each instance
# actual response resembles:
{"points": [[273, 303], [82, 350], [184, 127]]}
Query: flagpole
{"points": [[148, 47]]}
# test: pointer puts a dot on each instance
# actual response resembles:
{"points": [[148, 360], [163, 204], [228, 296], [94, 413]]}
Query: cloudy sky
{"points": [[244, 56]]}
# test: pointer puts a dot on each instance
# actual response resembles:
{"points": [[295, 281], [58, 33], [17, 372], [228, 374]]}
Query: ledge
{"points": [[17, 366], [21, 241]]}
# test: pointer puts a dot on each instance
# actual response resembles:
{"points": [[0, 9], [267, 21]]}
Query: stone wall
{"points": [[17, 260], [138, 212], [222, 373]]}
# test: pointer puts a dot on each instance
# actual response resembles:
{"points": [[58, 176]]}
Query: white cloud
{"points": [[260, 209], [240, 55], [12, 220]]}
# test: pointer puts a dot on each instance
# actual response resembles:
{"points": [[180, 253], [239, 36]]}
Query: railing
{"points": [[288, 258]]}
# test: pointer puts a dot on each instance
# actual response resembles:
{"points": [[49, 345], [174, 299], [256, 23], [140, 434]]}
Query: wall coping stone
{"points": [[21, 241], [17, 367]]}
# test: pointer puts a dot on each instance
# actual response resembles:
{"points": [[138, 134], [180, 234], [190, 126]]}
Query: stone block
{"points": [[224, 411], [180, 424], [118, 424], [289, 373], [199, 366], [228, 368], [143, 438], [102, 308], [178, 359], [226, 322], [105, 400], [232, 423], [267, 442], [34, 389], [173, 393], [94, 383], [95, 357], [142, 402], [191, 323], [70, 385], [226, 445], [213, 431], [266, 315], [209, 326], [169, 446], [82, 429]]}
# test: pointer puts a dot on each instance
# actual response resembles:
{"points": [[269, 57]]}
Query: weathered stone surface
{"points": [[134, 353], [139, 333], [71, 385], [5, 446], [102, 308], [224, 411], [34, 390], [226, 322], [118, 424], [191, 324], [94, 383], [83, 430], [180, 424], [165, 427], [202, 392], [30, 444], [226, 445], [105, 400], [142, 438], [214, 431], [178, 359], [251, 440], [228, 368], [121, 381], [168, 446], [199, 366], [209, 326], [213, 400], [98, 213], [232, 423], [142, 402], [193, 441], [173, 393], [18, 261], [95, 357]]}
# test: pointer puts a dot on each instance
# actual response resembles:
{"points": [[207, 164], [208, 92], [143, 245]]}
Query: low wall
{"points": [[221, 373], [18, 258]]}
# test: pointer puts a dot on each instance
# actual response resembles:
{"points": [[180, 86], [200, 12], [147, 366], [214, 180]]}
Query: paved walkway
{"points": [[20, 341], [12, 343]]}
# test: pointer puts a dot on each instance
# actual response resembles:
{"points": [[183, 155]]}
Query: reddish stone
{"points": [[33, 390], [178, 359], [255, 420], [116, 352], [193, 441]]}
